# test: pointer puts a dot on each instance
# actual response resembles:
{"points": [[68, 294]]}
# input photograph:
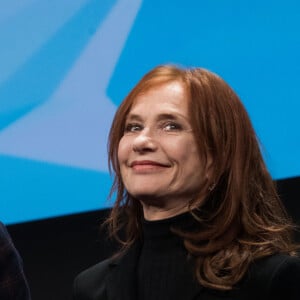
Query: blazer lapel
{"points": [[121, 281]]}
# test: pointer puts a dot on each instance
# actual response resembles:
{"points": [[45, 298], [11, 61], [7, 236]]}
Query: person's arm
{"points": [[13, 284]]}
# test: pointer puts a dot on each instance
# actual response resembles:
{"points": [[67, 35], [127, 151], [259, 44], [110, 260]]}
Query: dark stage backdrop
{"points": [[55, 250]]}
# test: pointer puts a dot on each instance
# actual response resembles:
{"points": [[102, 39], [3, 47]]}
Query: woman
{"points": [[13, 284], [196, 210]]}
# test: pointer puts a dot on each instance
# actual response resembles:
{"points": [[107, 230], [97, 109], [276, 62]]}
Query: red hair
{"points": [[242, 218]]}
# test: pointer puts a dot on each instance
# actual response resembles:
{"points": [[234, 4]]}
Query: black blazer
{"points": [[273, 278], [13, 284]]}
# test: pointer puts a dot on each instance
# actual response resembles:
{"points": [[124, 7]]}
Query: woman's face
{"points": [[158, 155]]}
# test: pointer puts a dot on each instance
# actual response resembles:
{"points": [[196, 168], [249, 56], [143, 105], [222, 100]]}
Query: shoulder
{"points": [[91, 281], [275, 263], [95, 272], [285, 283], [13, 283], [4, 236], [278, 275], [8, 253]]}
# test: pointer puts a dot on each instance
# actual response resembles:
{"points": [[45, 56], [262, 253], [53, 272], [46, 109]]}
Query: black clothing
{"points": [[159, 268], [163, 260], [13, 284]]}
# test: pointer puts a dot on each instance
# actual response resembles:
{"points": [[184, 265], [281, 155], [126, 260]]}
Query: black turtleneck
{"points": [[164, 269]]}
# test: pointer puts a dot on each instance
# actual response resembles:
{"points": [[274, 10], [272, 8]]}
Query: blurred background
{"points": [[66, 65]]}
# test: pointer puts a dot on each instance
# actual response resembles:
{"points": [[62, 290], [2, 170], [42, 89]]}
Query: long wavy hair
{"points": [[242, 218]]}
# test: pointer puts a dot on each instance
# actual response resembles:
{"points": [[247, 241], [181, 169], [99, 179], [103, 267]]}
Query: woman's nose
{"points": [[144, 141]]}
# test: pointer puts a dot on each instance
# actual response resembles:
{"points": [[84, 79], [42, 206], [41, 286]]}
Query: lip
{"points": [[149, 163], [147, 166]]}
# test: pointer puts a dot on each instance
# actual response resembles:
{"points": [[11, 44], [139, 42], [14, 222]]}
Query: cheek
{"points": [[189, 163], [123, 150], [184, 151], [122, 159]]}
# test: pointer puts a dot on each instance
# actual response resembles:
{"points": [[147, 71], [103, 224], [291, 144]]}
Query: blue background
{"points": [[66, 65]]}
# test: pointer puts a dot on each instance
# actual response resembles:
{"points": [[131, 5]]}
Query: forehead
{"points": [[169, 97]]}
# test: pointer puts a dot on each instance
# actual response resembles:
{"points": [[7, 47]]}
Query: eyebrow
{"points": [[134, 117], [163, 116]]}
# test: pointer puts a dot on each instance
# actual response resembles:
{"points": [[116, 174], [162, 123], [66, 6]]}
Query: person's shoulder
{"points": [[276, 261], [8, 253], [285, 283], [4, 236], [94, 273], [13, 283], [278, 275], [273, 264], [91, 280], [1, 226]]}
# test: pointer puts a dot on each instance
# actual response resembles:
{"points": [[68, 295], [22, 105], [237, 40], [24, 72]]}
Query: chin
{"points": [[145, 196]]}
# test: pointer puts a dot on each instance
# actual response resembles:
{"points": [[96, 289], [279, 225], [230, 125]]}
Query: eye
{"points": [[172, 126], [133, 127]]}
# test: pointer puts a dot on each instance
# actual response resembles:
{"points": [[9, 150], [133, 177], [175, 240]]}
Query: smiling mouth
{"points": [[146, 166]]}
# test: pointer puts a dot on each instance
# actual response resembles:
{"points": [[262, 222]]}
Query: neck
{"points": [[152, 213]]}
